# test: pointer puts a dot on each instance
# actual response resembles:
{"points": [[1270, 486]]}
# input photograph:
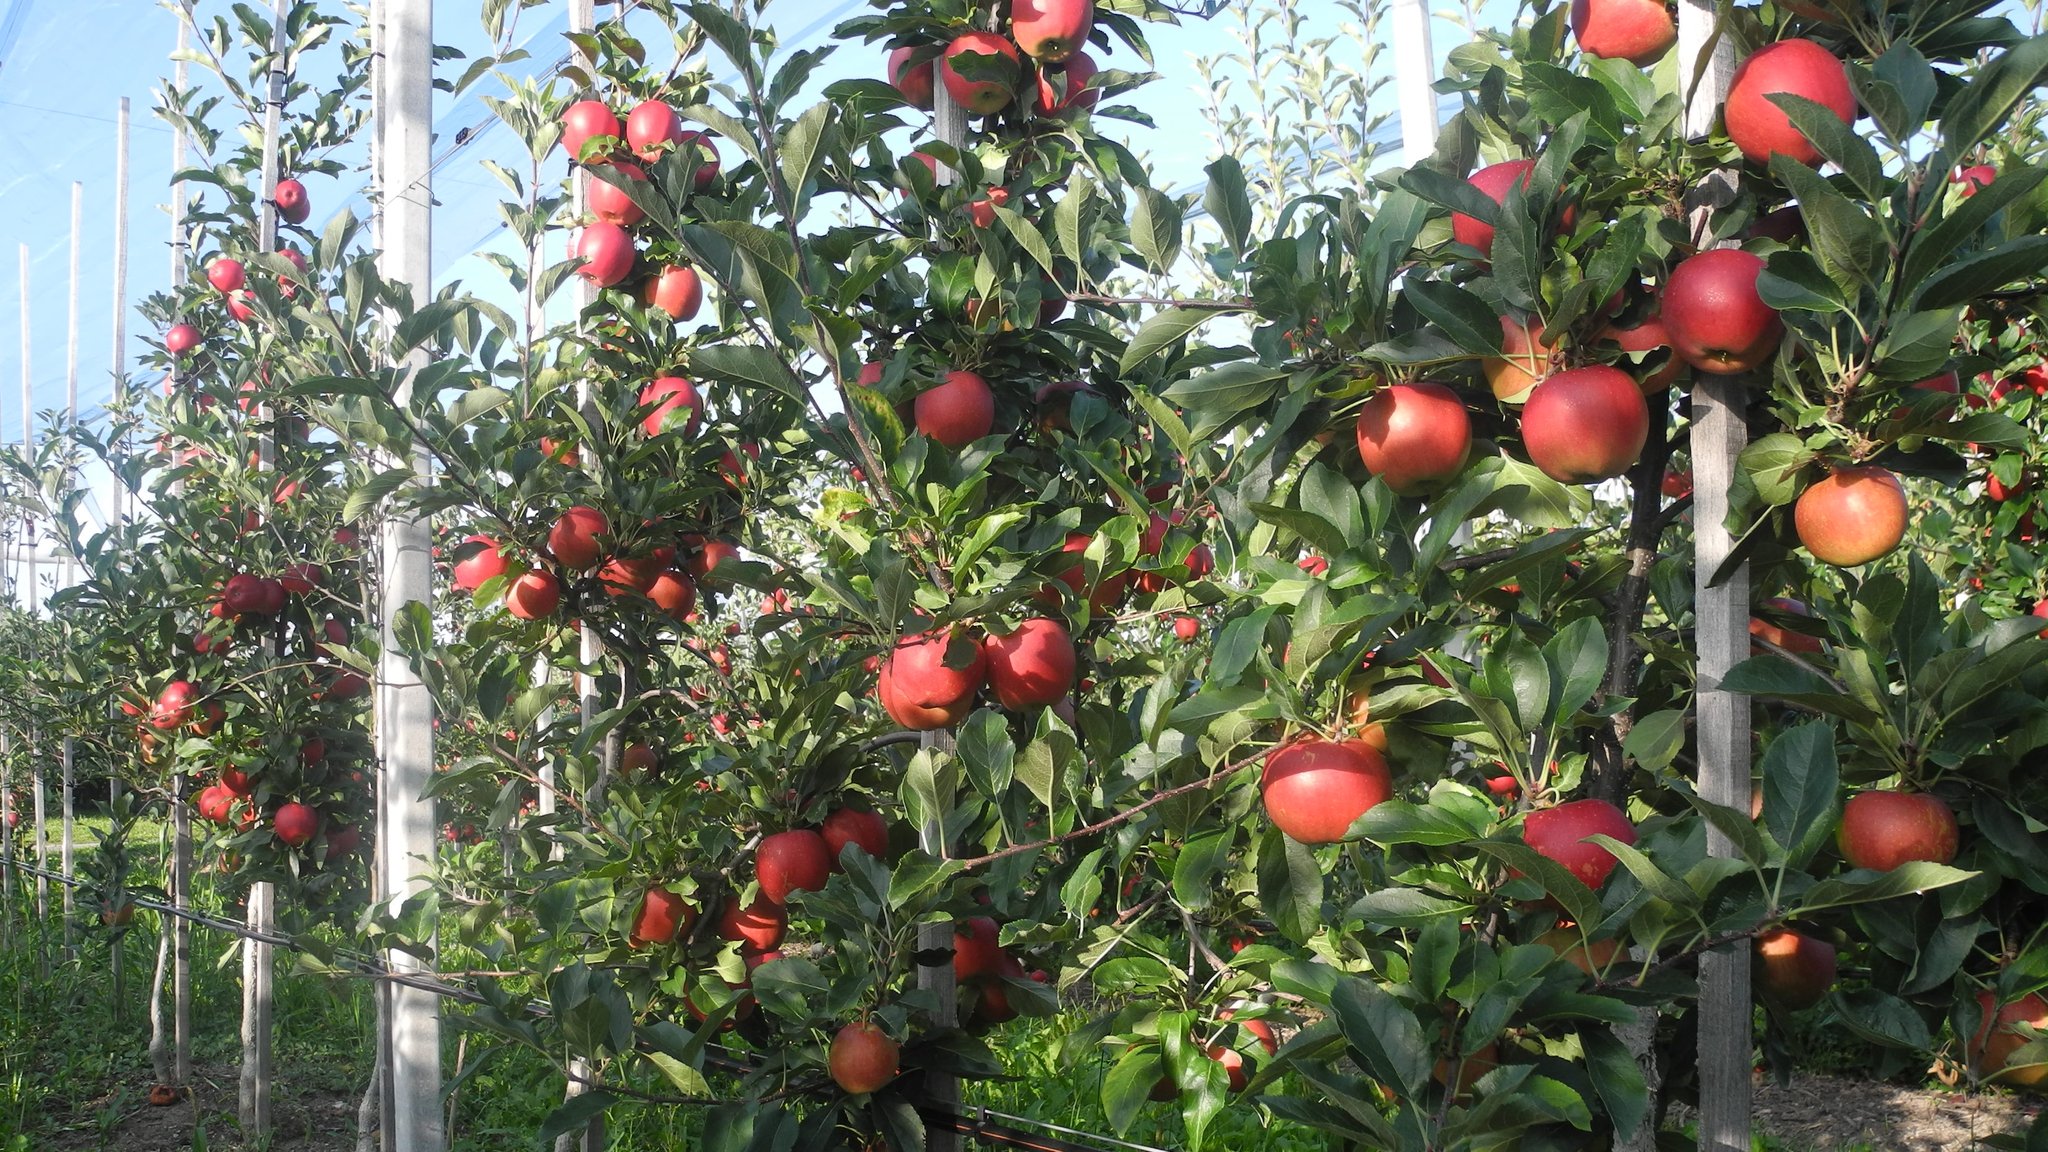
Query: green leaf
{"points": [[1128, 1085], [985, 750], [1577, 656], [1161, 331], [1290, 885], [1384, 1033], [1227, 203], [1027, 236], [803, 146], [1197, 872], [1406, 908], [1156, 229], [1654, 741], [574, 1114], [1470, 322], [1215, 398], [1654, 880], [1793, 281], [1862, 887], [1976, 113], [1066, 218], [1987, 272], [748, 364], [374, 491], [1801, 786], [1578, 901], [1884, 1019], [1400, 822], [1617, 1078]]}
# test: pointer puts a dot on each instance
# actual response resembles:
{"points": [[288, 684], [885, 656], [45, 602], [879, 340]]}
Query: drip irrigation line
{"points": [[979, 1123]]}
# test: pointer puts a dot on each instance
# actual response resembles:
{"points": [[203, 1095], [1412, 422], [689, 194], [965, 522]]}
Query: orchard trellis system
{"points": [[979, 454]]}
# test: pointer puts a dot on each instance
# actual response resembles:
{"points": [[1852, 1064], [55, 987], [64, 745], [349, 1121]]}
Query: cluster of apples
{"points": [[594, 135], [577, 545], [1051, 32], [929, 680]]}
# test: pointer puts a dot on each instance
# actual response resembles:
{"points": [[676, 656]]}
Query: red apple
{"points": [[673, 593], [669, 394], [649, 125], [295, 824], [958, 411], [292, 202], [180, 339], [923, 678], [478, 560], [676, 290], [1758, 126], [699, 145], [1648, 336], [611, 203], [1495, 180], [534, 595], [1997, 1038], [1314, 789], [662, 917], [1415, 437], [1716, 319], [1067, 89], [607, 254], [173, 706], [1051, 30], [587, 120], [867, 830], [977, 951], [629, 575], [1974, 178], [1853, 517], [1793, 971], [1882, 830], [759, 926], [1032, 666], [1186, 628], [792, 861], [863, 1058], [1585, 425], [226, 275], [914, 81], [1524, 360], [573, 539], [979, 97], [1785, 638], [1638, 31], [1557, 833]]}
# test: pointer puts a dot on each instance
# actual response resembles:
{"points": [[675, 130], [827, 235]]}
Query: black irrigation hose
{"points": [[977, 1123]]}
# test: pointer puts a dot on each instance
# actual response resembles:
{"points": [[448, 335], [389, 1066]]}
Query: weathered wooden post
{"points": [[1718, 436]]}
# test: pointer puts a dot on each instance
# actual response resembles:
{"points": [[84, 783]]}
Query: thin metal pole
{"points": [[120, 360], [1718, 437], [406, 738], [7, 833], [181, 809], [68, 781]]}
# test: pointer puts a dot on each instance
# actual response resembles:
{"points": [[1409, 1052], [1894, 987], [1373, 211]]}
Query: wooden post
{"points": [[7, 834], [1719, 434], [120, 359], [405, 740], [1415, 78], [67, 800]]}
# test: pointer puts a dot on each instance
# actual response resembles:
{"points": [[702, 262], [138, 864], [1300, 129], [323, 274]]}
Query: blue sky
{"points": [[57, 120]]}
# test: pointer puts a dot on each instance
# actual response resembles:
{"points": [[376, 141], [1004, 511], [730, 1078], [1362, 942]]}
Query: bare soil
{"points": [[125, 1120], [1817, 1112]]}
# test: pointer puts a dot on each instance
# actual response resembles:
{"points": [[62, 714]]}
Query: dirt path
{"points": [[316, 1122]]}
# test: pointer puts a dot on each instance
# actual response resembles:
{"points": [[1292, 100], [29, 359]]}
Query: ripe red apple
{"points": [[1716, 319], [958, 411], [1067, 89], [759, 926], [238, 307], [1999, 491], [1998, 1038], [173, 706], [649, 125], [1882, 830], [867, 830], [243, 595], [292, 202], [236, 781], [676, 290], [1785, 638], [792, 861], [914, 81], [629, 575], [1032, 666], [1648, 336], [1051, 30], [226, 275], [611, 203], [1793, 971], [1415, 437], [1853, 517], [1974, 178], [710, 555], [1313, 789], [534, 595], [1495, 180], [923, 679], [669, 394], [979, 97], [1759, 127], [662, 917], [1186, 628], [295, 823], [638, 761], [478, 560], [587, 120], [573, 539], [212, 714], [977, 950], [299, 579], [673, 593], [863, 1058], [1638, 31], [1557, 832], [607, 254], [1524, 360], [215, 802], [1585, 425], [1591, 958], [180, 339]]}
